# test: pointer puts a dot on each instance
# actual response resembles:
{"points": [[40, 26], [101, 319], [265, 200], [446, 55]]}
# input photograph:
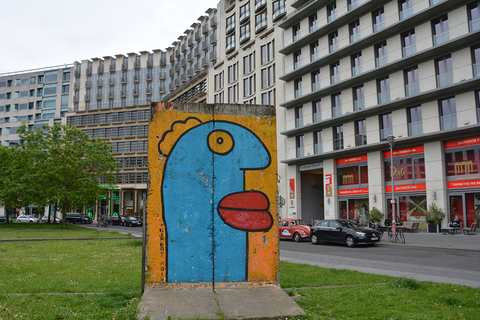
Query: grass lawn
{"points": [[101, 279]]}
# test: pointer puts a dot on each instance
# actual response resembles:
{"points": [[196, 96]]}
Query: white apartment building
{"points": [[358, 71]]}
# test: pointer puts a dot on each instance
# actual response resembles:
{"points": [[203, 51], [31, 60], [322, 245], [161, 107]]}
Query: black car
{"points": [[3, 219], [116, 220], [74, 217], [343, 231], [132, 222]]}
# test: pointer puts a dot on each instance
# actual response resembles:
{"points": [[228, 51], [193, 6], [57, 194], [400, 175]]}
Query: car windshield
{"points": [[348, 224], [133, 218], [298, 222]]}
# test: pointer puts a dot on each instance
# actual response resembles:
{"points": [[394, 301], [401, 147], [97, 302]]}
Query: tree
{"points": [[69, 166]]}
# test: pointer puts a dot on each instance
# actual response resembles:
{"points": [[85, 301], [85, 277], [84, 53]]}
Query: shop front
{"points": [[352, 179], [462, 159]]}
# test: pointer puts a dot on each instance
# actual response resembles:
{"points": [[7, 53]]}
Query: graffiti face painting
{"points": [[207, 209]]}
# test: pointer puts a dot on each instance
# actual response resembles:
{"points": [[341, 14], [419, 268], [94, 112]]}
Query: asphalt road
{"points": [[466, 260]]}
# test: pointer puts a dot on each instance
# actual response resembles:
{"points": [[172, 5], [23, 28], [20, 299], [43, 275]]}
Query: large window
{"points": [[296, 32], [358, 98], [314, 52], [299, 146], [406, 170], [268, 52], [317, 140], [353, 175], [448, 114], [474, 16], [313, 22], [440, 30], [333, 41], [352, 4], [463, 163], [249, 63], [414, 118], [356, 61], [299, 117], [444, 71], [331, 11], [297, 83], [354, 28], [315, 80], [338, 138], [336, 105], [335, 72], [476, 61], [409, 45], [268, 76], [249, 86], [360, 132], [297, 59], [386, 126], [230, 43], [381, 54], [405, 8], [378, 19], [317, 110], [244, 33], [412, 82], [383, 89]]}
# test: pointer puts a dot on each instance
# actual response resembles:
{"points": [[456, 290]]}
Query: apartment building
{"points": [[359, 71]]}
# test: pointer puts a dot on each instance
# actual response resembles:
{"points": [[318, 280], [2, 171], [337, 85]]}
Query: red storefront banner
{"points": [[462, 143], [353, 191], [404, 152], [352, 160], [407, 187], [463, 184]]}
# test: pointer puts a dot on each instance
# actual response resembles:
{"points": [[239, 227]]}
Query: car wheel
{"points": [[349, 241], [314, 238], [297, 237], [31, 221]]}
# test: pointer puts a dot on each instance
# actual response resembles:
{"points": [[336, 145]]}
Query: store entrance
{"points": [[312, 197], [466, 206], [354, 209]]}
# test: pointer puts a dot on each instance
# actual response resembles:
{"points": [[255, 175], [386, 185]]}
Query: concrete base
{"points": [[224, 303]]}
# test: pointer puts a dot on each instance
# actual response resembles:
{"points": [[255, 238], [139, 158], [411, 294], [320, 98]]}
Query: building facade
{"points": [[357, 72]]}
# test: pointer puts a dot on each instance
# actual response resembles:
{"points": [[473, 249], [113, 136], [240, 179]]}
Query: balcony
{"points": [[112, 68], [213, 56], [406, 13], [318, 148], [205, 29], [230, 47], [314, 57], [77, 73], [358, 105], [184, 47], [336, 111], [440, 38], [355, 37], [124, 80], [213, 38], [444, 80], [356, 71], [149, 91], [383, 97], [111, 94], [298, 93], [315, 86], [190, 42], [334, 47], [244, 17], [89, 70], [300, 152], [136, 92], [279, 11], [260, 4], [317, 117], [136, 65], [125, 66], [378, 26], [448, 122], [99, 96], [162, 88], [100, 69], [149, 63], [360, 140], [260, 25], [213, 22], [162, 75], [408, 51], [384, 133], [298, 122], [86, 97], [163, 61], [474, 25], [149, 76], [335, 79], [381, 61], [338, 144], [88, 84], [111, 81], [123, 93], [136, 78], [415, 128], [411, 89]]}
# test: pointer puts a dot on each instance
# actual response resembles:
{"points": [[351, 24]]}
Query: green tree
{"points": [[15, 176], [69, 166]]}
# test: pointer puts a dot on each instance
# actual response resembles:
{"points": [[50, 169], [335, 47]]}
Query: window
{"points": [[386, 127], [356, 61], [405, 8], [315, 80], [331, 11], [260, 21], [268, 98], [51, 76], [476, 61], [249, 63], [296, 32], [244, 33], [233, 94], [249, 86], [358, 98], [338, 138], [218, 81], [50, 89], [218, 98], [336, 105], [299, 117], [65, 87], [409, 46], [313, 22], [317, 142], [299, 146], [444, 71], [230, 24], [66, 75], [317, 110], [448, 114], [230, 43], [381, 54], [352, 4], [383, 89], [440, 30], [268, 76], [297, 84], [314, 52], [378, 17], [333, 41], [244, 12], [414, 118], [354, 28], [360, 132], [335, 72], [412, 83], [232, 73], [477, 101], [474, 16], [297, 59], [268, 52]]}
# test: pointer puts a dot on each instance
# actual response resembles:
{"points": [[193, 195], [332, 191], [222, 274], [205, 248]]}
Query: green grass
{"points": [[103, 278], [37, 226]]}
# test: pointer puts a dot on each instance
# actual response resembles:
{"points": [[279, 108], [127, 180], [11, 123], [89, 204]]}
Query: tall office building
{"points": [[357, 72]]}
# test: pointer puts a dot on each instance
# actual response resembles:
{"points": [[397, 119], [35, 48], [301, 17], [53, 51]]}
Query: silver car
{"points": [[45, 219], [28, 219]]}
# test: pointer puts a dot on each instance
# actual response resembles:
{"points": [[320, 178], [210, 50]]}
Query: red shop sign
{"points": [[353, 191], [462, 143], [352, 160], [404, 152], [407, 187], [463, 184]]}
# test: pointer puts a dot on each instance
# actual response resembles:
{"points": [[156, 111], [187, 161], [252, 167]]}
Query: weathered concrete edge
{"points": [[68, 239]]}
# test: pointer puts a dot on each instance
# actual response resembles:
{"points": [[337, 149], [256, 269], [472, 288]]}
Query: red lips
{"points": [[246, 211]]}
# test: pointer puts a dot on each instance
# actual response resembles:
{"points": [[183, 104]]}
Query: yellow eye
{"points": [[220, 142]]}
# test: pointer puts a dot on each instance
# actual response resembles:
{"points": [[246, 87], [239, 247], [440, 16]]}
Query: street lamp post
{"points": [[391, 143]]}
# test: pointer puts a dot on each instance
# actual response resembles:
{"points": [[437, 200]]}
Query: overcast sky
{"points": [[37, 34]]}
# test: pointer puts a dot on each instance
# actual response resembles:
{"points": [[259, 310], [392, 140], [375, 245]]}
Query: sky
{"points": [[38, 34]]}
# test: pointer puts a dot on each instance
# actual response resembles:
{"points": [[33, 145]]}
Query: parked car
{"points": [[343, 231], [3, 219], [294, 229], [123, 220], [132, 222], [28, 219], [74, 217], [45, 219], [116, 220]]}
